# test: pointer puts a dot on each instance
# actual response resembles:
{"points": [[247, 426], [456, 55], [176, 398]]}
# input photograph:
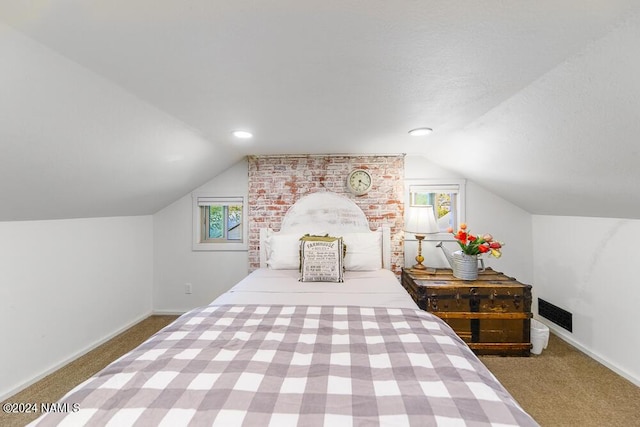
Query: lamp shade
{"points": [[422, 220]]}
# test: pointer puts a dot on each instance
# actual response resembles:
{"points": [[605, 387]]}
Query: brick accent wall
{"points": [[277, 182]]}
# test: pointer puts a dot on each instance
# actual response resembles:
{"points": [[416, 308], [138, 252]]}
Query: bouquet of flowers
{"points": [[476, 245]]}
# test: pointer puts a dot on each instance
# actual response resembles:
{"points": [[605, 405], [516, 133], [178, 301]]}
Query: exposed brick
{"points": [[276, 182]]}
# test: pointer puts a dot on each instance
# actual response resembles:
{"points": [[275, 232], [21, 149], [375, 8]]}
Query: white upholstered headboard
{"points": [[326, 213]]}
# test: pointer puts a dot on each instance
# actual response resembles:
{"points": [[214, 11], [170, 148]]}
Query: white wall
{"points": [[589, 266], [210, 272], [489, 213], [485, 213], [66, 286]]}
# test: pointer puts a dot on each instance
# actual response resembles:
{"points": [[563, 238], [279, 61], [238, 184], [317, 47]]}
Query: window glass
{"points": [[215, 221], [219, 223], [444, 203], [222, 222], [234, 223], [447, 198]]}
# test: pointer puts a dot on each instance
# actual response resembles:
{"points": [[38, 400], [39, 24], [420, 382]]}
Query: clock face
{"points": [[359, 182]]}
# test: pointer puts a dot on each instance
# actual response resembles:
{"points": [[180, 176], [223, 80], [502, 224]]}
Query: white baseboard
{"points": [[73, 357], [168, 312], [564, 335]]}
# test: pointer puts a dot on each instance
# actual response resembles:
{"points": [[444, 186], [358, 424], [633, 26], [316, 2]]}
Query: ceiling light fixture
{"points": [[420, 131], [242, 134]]}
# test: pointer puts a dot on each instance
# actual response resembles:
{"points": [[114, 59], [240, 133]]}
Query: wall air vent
{"points": [[557, 315]]}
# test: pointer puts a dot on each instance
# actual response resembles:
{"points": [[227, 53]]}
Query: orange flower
{"points": [[461, 236]]}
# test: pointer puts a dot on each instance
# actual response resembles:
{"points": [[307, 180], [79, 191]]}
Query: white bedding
{"points": [[378, 288]]}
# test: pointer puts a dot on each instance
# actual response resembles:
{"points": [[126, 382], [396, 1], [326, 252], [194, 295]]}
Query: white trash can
{"points": [[539, 336]]}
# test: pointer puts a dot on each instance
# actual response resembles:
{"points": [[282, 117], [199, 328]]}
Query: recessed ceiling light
{"points": [[420, 131], [242, 134]]}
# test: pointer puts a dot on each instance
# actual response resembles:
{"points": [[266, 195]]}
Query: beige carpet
{"points": [[560, 387], [564, 387]]}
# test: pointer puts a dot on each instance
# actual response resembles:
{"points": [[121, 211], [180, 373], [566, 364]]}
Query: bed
{"points": [[283, 349]]}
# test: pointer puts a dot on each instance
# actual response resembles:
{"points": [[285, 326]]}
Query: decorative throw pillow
{"points": [[321, 259]]}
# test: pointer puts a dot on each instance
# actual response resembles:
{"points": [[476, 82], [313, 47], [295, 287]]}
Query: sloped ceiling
{"points": [[119, 107]]}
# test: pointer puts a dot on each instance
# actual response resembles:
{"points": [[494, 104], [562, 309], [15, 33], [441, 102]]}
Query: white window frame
{"points": [[438, 186], [206, 199]]}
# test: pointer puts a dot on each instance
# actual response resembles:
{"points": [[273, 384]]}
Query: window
{"points": [[219, 223], [447, 198]]}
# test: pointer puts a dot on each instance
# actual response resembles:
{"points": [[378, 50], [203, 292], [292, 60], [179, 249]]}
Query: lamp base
{"points": [[419, 258]]}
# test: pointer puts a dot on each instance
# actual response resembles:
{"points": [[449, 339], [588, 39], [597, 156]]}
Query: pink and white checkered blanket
{"points": [[256, 365]]}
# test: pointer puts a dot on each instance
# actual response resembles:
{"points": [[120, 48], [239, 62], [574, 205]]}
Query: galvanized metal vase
{"points": [[465, 266]]}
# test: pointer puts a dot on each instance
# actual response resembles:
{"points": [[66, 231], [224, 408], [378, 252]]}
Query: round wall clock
{"points": [[359, 182]]}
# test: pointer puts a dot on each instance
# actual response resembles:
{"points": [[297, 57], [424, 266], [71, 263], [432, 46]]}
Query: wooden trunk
{"points": [[491, 314]]}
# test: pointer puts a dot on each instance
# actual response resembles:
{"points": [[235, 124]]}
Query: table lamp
{"points": [[421, 221]]}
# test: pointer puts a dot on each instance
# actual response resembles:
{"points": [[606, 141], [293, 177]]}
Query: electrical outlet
{"points": [[188, 288]]}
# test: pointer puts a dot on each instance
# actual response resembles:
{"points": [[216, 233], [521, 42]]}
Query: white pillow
{"points": [[364, 251], [283, 251], [321, 259]]}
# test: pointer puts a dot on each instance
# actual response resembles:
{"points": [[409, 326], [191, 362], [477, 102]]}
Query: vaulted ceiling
{"points": [[119, 107]]}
